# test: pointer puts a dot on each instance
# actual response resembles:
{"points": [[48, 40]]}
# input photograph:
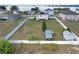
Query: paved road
{"points": [[8, 36]]}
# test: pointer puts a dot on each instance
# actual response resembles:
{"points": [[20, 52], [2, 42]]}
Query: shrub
{"points": [[44, 27], [68, 29], [6, 47], [33, 38]]}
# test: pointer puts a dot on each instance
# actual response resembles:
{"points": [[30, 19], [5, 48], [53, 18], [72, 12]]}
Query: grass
{"points": [[46, 49], [34, 28], [74, 26], [7, 26]]}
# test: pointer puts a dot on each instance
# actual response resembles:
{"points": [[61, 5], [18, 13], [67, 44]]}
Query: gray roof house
{"points": [[69, 15], [11, 17], [49, 11]]}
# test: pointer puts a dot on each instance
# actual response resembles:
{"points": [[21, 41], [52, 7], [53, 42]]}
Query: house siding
{"points": [[69, 17]]}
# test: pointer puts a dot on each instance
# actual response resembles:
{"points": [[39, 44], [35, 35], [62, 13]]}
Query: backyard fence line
{"points": [[15, 29], [65, 27]]}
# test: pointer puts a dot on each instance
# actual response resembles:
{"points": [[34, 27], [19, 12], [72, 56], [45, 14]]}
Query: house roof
{"points": [[42, 13], [68, 12], [48, 9]]}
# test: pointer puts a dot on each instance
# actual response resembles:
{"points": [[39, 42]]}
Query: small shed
{"points": [[68, 36], [49, 34], [41, 16]]}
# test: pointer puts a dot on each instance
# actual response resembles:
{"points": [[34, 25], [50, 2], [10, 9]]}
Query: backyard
{"points": [[33, 29], [74, 26], [7, 26]]}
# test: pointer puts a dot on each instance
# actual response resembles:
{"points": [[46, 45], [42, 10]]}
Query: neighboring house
{"points": [[11, 17], [77, 10], [2, 11], [42, 16], [68, 36], [50, 12], [16, 12], [31, 12], [49, 34], [69, 15]]}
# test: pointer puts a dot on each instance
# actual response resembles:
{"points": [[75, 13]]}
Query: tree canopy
{"points": [[3, 7], [36, 9], [13, 8]]}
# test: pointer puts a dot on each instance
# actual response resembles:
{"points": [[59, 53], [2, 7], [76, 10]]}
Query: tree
{"points": [[36, 9], [13, 8], [6, 47], [44, 27], [32, 9], [3, 7]]}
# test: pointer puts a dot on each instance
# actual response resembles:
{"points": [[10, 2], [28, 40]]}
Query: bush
{"points": [[6, 47], [68, 29], [33, 38], [44, 27], [65, 30]]}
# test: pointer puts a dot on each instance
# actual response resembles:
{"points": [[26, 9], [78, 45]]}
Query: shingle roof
{"points": [[68, 12], [48, 9]]}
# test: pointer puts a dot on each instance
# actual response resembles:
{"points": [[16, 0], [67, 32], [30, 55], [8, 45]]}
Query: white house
{"points": [[69, 15], [42, 16], [49, 11], [16, 11], [68, 36]]}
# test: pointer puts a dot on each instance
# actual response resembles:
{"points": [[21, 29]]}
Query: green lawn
{"points": [[34, 28]]}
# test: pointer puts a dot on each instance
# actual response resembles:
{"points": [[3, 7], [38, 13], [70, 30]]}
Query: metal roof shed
{"points": [[68, 36], [48, 34]]}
